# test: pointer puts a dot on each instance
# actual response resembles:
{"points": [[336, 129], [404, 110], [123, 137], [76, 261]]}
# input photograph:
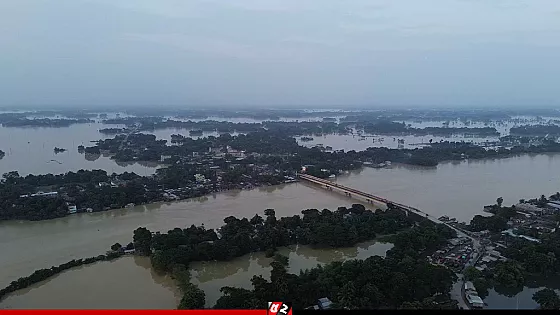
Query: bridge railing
{"points": [[361, 193]]}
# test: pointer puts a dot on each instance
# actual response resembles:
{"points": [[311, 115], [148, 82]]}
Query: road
{"points": [[457, 293]]}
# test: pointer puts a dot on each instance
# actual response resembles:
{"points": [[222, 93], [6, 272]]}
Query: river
{"points": [[457, 189], [212, 276], [29, 150], [121, 284]]}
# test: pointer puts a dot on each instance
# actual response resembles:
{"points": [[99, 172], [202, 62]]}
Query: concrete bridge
{"points": [[373, 199], [369, 198]]}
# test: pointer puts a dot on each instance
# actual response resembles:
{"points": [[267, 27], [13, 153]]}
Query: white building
{"points": [[72, 209]]}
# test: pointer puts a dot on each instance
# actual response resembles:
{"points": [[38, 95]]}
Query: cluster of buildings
{"points": [[458, 252]]}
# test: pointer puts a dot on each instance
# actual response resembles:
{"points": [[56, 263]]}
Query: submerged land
{"points": [[512, 244]]}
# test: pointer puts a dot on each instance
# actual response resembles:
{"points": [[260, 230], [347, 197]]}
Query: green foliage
{"points": [[548, 299], [538, 258], [193, 298], [392, 282], [482, 285], [471, 273], [499, 201], [81, 187], [509, 274], [142, 241], [343, 227], [494, 223]]}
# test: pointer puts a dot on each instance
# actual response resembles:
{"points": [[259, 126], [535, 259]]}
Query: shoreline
{"points": [[400, 165]]}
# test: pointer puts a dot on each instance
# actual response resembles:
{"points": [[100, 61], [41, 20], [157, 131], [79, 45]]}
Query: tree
{"points": [[471, 273], [116, 247], [509, 274], [499, 201], [547, 298], [142, 241], [193, 298], [482, 286]]}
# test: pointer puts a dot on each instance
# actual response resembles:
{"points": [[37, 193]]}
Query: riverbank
{"points": [[454, 189], [360, 219]]}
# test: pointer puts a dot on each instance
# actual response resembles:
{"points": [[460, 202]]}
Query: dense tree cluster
{"points": [[495, 223], [401, 280], [548, 299], [344, 282], [537, 258], [81, 188], [343, 227]]}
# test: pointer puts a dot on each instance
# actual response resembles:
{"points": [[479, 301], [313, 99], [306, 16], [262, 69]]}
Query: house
{"points": [[164, 157], [324, 303], [527, 207], [554, 202], [237, 154], [72, 209], [511, 233]]}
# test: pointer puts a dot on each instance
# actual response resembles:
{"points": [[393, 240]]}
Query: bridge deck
{"points": [[362, 194]]}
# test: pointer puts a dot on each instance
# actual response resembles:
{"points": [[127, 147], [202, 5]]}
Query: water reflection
{"points": [[212, 276]]}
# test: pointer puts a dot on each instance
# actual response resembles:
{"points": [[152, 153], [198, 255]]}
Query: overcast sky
{"points": [[280, 52]]}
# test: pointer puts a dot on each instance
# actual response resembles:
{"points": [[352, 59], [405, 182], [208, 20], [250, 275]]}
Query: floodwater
{"points": [[27, 246], [212, 276], [125, 283], [461, 189], [458, 189], [31, 151], [357, 143]]}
